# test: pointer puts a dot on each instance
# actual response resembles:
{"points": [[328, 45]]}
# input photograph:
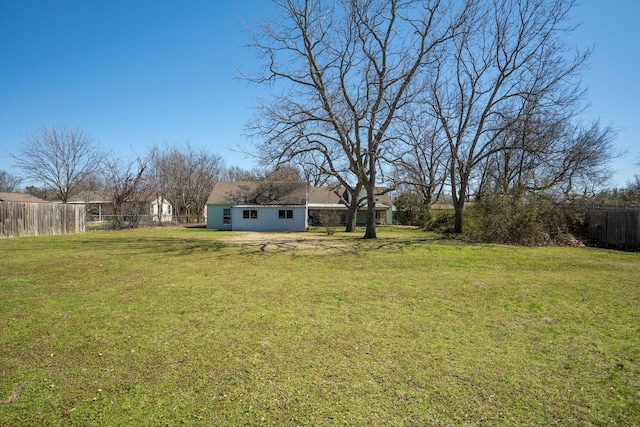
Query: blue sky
{"points": [[136, 73]]}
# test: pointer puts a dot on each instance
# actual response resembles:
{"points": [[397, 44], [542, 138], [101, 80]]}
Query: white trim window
{"points": [[285, 214], [250, 214]]}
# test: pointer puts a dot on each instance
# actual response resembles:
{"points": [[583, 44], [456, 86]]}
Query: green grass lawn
{"points": [[182, 326]]}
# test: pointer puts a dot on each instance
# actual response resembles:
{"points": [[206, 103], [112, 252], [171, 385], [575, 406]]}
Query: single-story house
{"points": [[280, 206], [325, 198], [99, 206], [258, 206]]}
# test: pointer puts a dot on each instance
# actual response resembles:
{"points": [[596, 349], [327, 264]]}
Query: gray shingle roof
{"points": [[258, 193], [280, 193]]}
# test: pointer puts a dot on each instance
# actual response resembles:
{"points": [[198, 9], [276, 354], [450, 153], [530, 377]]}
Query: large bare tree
{"points": [[60, 157], [507, 61], [345, 69]]}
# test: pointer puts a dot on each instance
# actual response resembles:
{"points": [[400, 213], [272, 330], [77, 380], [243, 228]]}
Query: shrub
{"points": [[411, 210], [441, 222], [330, 220], [534, 220]]}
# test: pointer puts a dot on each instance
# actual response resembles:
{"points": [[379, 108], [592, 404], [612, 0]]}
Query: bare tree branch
{"points": [[60, 157], [8, 182], [347, 69], [185, 177], [508, 55]]}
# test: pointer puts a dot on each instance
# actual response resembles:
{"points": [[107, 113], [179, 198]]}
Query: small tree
{"points": [[236, 174], [330, 220], [125, 184]]}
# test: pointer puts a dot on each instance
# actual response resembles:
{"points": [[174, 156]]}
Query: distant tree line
{"points": [[625, 196], [68, 162]]}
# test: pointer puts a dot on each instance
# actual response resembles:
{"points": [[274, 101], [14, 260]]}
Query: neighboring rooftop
{"points": [[90, 197], [20, 198]]}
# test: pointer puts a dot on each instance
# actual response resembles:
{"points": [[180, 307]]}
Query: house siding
{"points": [[215, 217], [268, 219], [381, 218], [160, 210]]}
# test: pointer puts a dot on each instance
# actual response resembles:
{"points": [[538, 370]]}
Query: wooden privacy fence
{"points": [[614, 226], [33, 219]]}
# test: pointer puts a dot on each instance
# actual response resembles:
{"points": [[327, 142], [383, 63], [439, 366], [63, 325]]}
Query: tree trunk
{"points": [[354, 204], [427, 215], [352, 216], [370, 232], [458, 205], [458, 196], [459, 208]]}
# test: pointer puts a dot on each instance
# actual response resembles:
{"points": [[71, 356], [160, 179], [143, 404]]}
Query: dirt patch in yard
{"points": [[298, 242], [318, 242]]}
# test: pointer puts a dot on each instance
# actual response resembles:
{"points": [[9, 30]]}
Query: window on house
{"points": [[285, 213], [226, 216], [250, 214]]}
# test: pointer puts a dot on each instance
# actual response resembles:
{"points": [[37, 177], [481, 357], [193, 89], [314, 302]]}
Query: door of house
{"points": [[382, 217]]}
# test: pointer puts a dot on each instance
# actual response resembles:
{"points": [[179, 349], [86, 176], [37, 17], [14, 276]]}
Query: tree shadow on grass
{"points": [[198, 241], [157, 243], [281, 243]]}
